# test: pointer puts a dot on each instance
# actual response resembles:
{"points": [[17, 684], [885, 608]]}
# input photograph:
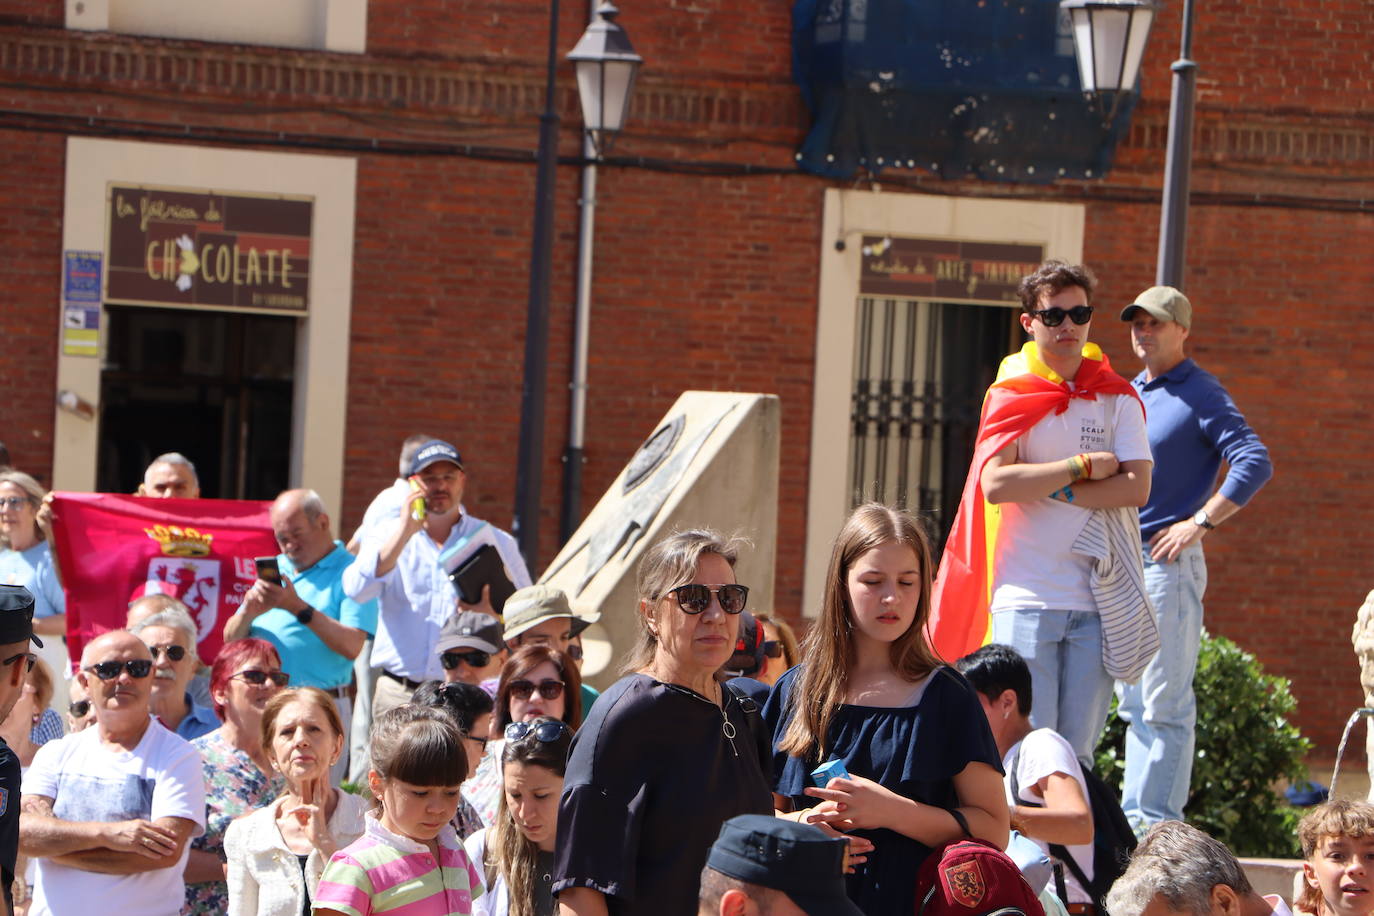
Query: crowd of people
{"points": [[366, 742]]}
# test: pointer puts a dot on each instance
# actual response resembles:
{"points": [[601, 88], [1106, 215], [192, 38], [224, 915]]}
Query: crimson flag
{"points": [[114, 548]]}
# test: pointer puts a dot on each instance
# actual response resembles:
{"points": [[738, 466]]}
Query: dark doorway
{"points": [[215, 386]]}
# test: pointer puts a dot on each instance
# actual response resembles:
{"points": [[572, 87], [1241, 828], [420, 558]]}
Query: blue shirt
{"points": [[201, 720], [1193, 424], [33, 569], [304, 655]]}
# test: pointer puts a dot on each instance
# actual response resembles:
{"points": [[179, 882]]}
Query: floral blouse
{"points": [[233, 786]]}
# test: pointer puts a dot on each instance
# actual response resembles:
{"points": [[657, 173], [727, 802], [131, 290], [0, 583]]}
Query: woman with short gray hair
{"points": [[668, 754]]}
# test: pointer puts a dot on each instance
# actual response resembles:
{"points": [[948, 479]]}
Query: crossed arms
{"points": [[109, 848]]}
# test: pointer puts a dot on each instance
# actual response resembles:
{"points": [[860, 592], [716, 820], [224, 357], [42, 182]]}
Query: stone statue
{"points": [[1363, 638]]}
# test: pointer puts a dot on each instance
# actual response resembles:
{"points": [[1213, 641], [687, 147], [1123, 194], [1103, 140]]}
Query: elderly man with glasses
{"points": [[171, 638], [109, 811]]}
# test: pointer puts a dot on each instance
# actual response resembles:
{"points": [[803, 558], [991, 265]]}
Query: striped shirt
{"points": [[382, 872]]}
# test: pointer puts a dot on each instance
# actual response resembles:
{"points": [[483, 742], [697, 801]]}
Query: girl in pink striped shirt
{"points": [[409, 861]]}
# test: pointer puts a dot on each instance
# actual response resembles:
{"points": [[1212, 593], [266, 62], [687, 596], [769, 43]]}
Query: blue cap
{"points": [[433, 451], [796, 859]]}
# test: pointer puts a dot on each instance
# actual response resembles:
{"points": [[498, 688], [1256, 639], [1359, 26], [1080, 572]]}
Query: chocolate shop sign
{"points": [[176, 246]]}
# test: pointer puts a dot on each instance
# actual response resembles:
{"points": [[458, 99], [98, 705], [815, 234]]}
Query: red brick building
{"points": [[410, 126]]}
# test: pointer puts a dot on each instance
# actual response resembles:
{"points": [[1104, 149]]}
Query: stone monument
{"points": [[1363, 638]]}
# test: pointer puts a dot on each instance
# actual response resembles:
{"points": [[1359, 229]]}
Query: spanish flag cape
{"points": [[1025, 392]]}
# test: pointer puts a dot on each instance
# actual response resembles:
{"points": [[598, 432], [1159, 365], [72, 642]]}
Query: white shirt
{"points": [[88, 781], [496, 900], [1043, 753], [416, 597], [1036, 567]]}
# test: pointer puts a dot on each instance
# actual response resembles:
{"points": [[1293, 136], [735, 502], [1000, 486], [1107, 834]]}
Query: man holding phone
{"points": [[299, 604]]}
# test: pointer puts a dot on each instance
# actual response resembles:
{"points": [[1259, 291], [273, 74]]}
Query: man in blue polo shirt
{"points": [[317, 629], [1193, 426]]}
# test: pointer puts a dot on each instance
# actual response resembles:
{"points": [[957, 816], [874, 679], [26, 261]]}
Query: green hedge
{"points": [[1246, 746]]}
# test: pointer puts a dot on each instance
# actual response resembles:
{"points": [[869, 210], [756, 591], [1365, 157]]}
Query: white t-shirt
{"points": [[88, 781], [1043, 753], [1035, 566]]}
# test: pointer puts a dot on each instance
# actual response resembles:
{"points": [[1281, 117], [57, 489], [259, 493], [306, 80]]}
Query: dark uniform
{"points": [[16, 625]]}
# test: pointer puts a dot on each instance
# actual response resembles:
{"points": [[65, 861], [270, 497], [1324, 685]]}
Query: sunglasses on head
{"points": [[473, 658], [108, 671], [1053, 318], [695, 599], [545, 732], [258, 678], [29, 658], [522, 689], [79, 708], [772, 648], [173, 653]]}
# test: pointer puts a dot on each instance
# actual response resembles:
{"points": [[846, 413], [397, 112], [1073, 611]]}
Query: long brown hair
{"points": [[508, 851], [525, 660], [829, 647]]}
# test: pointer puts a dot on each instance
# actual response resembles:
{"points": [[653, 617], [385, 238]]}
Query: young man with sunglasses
{"points": [[1061, 434], [470, 648], [1193, 426], [16, 658], [108, 812]]}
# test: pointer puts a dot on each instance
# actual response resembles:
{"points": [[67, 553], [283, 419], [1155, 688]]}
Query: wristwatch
{"points": [[305, 614], [1202, 520]]}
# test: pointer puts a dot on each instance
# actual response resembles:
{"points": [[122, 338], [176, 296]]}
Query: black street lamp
{"points": [[611, 92], [1109, 36]]}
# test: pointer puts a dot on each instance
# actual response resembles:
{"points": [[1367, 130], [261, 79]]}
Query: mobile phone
{"points": [[268, 571]]}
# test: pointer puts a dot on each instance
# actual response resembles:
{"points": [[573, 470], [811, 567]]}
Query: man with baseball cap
{"points": [[1193, 426], [16, 632], [767, 865], [541, 615], [399, 565], [470, 647]]}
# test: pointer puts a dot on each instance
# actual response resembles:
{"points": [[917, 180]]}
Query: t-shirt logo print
{"points": [[965, 883]]}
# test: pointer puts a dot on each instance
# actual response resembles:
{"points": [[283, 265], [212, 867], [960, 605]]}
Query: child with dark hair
{"points": [[409, 857], [471, 707]]}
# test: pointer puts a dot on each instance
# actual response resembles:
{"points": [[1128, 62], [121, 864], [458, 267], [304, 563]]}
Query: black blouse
{"points": [[651, 778]]}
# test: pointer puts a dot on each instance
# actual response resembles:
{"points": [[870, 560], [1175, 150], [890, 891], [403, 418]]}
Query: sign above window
{"points": [[945, 269], [185, 247]]}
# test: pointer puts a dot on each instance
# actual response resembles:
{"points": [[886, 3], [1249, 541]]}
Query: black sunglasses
{"points": [[174, 653], [258, 678], [29, 657], [474, 658], [772, 648], [523, 689], [695, 599], [108, 671], [79, 708], [545, 732], [1053, 318]]}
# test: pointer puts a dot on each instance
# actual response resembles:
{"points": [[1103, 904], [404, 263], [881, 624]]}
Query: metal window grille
{"points": [[920, 371]]}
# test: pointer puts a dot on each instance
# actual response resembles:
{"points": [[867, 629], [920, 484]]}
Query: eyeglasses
{"points": [[29, 657], [694, 599], [174, 653], [258, 678], [108, 671], [1053, 318], [544, 732], [475, 658], [522, 690], [79, 708], [13, 502]]}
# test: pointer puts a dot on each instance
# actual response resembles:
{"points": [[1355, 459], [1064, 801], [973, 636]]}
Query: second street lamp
{"points": [[606, 67]]}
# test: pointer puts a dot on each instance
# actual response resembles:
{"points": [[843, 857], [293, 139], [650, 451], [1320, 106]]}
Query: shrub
{"points": [[1245, 746]]}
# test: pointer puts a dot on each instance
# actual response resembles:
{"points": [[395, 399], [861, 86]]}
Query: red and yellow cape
{"points": [[1025, 392]]}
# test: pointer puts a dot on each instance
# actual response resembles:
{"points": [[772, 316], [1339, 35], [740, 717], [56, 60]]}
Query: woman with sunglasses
{"points": [[516, 854], [277, 854], [26, 559], [911, 763], [668, 754], [245, 675], [535, 681]]}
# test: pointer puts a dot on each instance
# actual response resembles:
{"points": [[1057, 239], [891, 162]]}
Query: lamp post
{"points": [[610, 88], [1109, 37]]}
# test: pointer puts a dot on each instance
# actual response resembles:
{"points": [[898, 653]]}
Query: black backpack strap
{"points": [[1062, 853], [1057, 850], [1060, 888]]}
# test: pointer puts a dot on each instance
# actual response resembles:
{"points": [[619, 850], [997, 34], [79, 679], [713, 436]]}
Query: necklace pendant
{"points": [[727, 728]]}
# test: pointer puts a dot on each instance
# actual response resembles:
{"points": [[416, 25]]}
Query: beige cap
{"points": [[534, 604], [1164, 303]]}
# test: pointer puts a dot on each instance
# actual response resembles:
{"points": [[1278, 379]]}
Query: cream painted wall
{"points": [[324, 25], [848, 216], [319, 408]]}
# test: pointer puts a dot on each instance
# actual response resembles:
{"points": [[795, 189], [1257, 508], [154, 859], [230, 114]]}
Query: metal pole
{"points": [[529, 463], [577, 415], [1173, 217]]}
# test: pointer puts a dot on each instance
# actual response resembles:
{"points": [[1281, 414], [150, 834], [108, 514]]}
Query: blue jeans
{"points": [[1070, 689], [1160, 710]]}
